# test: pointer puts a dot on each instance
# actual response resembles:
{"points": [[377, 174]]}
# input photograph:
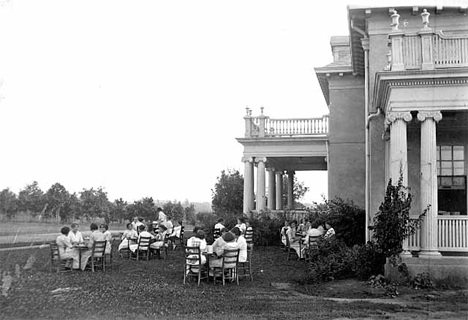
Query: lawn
{"points": [[153, 289]]}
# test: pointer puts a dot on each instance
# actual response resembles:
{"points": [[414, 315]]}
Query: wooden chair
{"points": [[143, 249], [56, 261], [97, 258], [244, 269], [126, 251], [289, 250], [228, 270], [192, 265], [311, 246], [165, 248], [249, 235], [179, 242], [109, 256]]}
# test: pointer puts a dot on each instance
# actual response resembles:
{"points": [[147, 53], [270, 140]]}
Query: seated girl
{"points": [[198, 240], [107, 236], [159, 239], [128, 237], [66, 249], [216, 261]]}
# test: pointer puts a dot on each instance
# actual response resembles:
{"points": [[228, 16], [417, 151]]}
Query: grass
{"points": [[154, 289]]}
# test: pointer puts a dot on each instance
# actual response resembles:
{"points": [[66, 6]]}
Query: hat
{"points": [[229, 236]]}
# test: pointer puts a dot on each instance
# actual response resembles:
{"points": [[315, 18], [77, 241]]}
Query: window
{"points": [[451, 180]]}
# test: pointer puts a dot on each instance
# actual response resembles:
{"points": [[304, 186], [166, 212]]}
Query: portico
{"points": [[274, 148]]}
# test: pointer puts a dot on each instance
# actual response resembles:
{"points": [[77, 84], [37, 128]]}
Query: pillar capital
{"points": [[247, 159], [260, 159], [423, 115], [393, 116]]}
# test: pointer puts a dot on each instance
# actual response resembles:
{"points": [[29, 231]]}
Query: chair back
{"points": [[54, 251], [98, 248], [313, 241], [216, 233], [193, 255], [230, 258], [249, 235], [143, 243]]}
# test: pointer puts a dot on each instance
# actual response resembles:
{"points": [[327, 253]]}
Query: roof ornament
{"points": [[425, 19], [395, 20]]}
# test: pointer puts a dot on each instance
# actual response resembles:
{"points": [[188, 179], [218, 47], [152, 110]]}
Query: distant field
{"points": [[37, 233]]}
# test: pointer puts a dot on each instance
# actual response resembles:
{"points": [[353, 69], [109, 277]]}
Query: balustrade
{"points": [[427, 49], [263, 126], [452, 234]]}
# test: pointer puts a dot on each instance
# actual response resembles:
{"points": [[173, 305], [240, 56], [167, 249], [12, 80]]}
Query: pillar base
{"points": [[429, 254]]}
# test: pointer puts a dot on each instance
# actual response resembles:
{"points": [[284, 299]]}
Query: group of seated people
{"points": [[157, 231], [229, 239], [71, 244], [299, 236], [224, 239]]}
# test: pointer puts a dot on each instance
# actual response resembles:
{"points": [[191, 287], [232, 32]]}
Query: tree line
{"points": [[58, 204]]}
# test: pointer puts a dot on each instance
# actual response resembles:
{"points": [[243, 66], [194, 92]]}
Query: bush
{"points": [[367, 261], [331, 261], [206, 221], [266, 230], [348, 220]]}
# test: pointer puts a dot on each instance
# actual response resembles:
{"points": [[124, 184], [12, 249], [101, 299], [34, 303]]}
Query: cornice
{"points": [[386, 80]]}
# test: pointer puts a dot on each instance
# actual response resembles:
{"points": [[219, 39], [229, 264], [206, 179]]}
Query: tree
{"points": [[8, 203], [31, 199], [228, 194], [94, 203], [118, 210], [57, 199], [144, 208], [174, 209], [299, 190]]}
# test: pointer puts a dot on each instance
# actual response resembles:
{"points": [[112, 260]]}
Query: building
{"points": [[397, 92]]}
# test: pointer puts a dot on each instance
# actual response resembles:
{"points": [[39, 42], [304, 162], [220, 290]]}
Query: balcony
{"points": [[427, 49], [265, 127]]}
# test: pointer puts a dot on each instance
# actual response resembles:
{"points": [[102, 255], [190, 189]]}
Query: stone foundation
{"points": [[451, 271]]}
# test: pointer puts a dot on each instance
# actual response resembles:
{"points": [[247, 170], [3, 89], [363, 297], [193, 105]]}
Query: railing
{"points": [[263, 126], [452, 234], [427, 49]]}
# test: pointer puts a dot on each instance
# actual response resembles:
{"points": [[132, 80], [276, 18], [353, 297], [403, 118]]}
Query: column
{"points": [[386, 137], [398, 145], [428, 182], [279, 190], [271, 189], [248, 184], [260, 205], [290, 189]]}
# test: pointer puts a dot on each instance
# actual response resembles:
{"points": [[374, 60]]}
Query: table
{"points": [[80, 248]]}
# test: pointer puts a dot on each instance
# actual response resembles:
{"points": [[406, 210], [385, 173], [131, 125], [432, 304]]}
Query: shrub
{"points": [[367, 261], [331, 261], [206, 221], [347, 219], [422, 281], [266, 230]]}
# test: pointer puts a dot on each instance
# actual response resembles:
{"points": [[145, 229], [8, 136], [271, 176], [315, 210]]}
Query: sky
{"points": [[146, 98]]}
